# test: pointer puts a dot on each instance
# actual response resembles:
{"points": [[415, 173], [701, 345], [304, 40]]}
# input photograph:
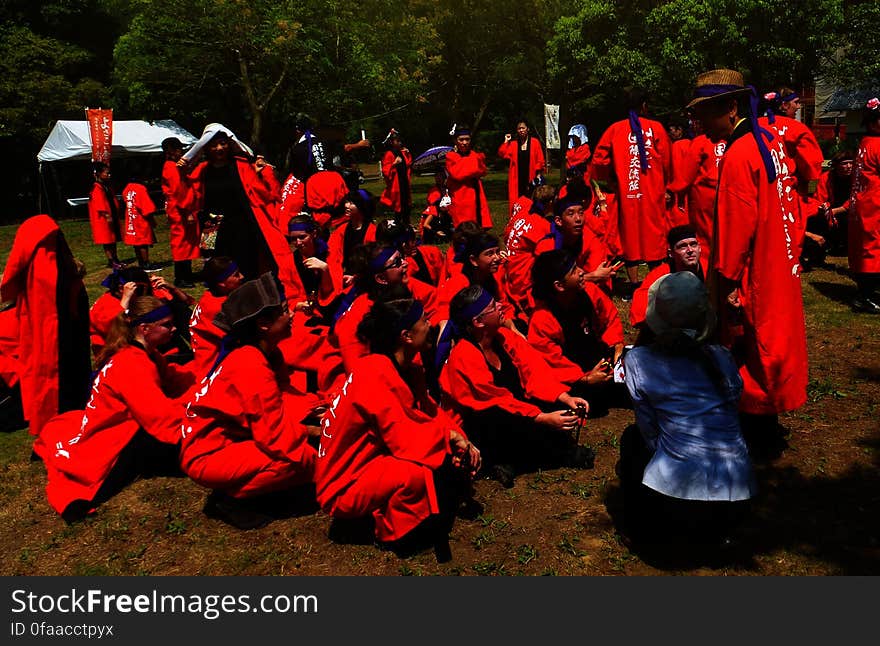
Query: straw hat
{"points": [[678, 303], [718, 84]]}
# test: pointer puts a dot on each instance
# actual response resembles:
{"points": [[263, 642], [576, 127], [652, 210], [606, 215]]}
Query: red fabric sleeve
{"points": [[461, 169], [736, 217], [545, 335], [539, 380], [600, 165], [808, 156], [141, 390], [388, 171], [607, 315], [507, 150]]}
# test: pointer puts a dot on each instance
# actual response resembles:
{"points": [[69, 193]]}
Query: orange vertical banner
{"points": [[101, 133]]}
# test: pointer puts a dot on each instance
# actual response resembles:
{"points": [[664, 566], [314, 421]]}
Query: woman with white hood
{"points": [[578, 154], [227, 183]]}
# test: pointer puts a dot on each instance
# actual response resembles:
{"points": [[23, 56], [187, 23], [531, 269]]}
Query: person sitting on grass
{"points": [[685, 467], [222, 276], [387, 450], [130, 426], [425, 261], [514, 404], [243, 435], [577, 329]]}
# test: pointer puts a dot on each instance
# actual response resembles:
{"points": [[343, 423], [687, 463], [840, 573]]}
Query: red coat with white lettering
{"points": [[183, 225], [391, 195], [467, 384], [242, 432], [510, 152], [291, 203], [377, 431], [755, 246], [641, 195], [864, 219], [104, 227], [524, 232], [133, 390], [465, 187], [697, 174], [546, 334], [206, 336], [677, 212], [138, 224]]}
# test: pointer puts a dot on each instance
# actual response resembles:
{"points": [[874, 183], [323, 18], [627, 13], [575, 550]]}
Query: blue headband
{"points": [[636, 126], [151, 317], [231, 269], [452, 331], [308, 227], [470, 247], [114, 279], [377, 264], [412, 316]]}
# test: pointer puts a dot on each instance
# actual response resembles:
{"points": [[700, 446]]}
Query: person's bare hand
{"points": [[315, 263], [560, 420], [733, 299], [603, 272], [601, 373], [507, 138], [347, 280]]}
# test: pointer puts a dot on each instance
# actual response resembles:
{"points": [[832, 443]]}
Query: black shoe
{"points": [[504, 474], [234, 511], [581, 457], [151, 267], [865, 305]]}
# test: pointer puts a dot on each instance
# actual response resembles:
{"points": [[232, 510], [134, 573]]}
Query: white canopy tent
{"points": [[70, 139]]}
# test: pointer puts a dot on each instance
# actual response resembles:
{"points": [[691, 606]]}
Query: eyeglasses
{"points": [[395, 263], [491, 308]]}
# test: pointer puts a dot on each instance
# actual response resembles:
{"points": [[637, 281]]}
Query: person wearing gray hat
{"points": [[688, 448], [243, 435]]}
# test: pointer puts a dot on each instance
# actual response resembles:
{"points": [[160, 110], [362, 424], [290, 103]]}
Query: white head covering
{"points": [[208, 133], [578, 130]]}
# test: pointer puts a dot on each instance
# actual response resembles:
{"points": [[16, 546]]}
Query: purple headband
{"points": [[452, 332], [308, 227], [377, 264], [476, 308], [151, 317], [231, 269], [412, 316], [714, 89], [636, 126], [114, 279], [471, 247]]}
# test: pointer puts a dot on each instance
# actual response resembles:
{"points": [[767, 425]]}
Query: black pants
{"points": [[505, 438], [867, 285], [11, 412], [143, 456], [652, 516]]}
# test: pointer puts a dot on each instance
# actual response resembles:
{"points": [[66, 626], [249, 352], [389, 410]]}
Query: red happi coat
{"points": [[376, 420], [324, 194], [804, 160], [524, 231], [205, 336], [579, 156], [641, 200], [825, 193], [291, 203], [677, 212], [31, 278], [262, 202], [593, 252], [242, 430], [864, 218], [510, 152], [755, 245], [603, 223], [466, 188], [639, 305], [138, 223], [183, 223], [103, 231], [467, 383], [391, 195], [460, 281], [434, 262], [698, 175], [101, 316], [345, 330], [133, 390], [9, 366], [336, 248], [547, 336]]}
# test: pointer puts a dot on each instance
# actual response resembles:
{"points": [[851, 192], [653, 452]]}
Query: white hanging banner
{"points": [[551, 126]]}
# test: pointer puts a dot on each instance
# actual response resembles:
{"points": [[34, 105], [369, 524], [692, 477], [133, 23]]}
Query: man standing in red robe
{"points": [[179, 207], [756, 282], [637, 152]]}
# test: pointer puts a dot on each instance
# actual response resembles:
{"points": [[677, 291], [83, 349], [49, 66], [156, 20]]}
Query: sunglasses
{"points": [[395, 263]]}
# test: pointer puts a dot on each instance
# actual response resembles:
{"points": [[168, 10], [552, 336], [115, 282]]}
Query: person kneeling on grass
{"points": [[386, 449], [501, 386], [685, 469], [243, 435], [129, 427]]}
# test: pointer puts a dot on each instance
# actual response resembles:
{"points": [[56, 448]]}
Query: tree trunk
{"points": [[481, 112]]}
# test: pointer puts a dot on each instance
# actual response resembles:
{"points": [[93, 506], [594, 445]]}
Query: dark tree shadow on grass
{"points": [[835, 291], [835, 520]]}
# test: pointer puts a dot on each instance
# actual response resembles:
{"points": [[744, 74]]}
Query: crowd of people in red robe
{"points": [[336, 358]]}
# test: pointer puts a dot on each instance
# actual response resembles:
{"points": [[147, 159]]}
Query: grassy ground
{"points": [[818, 510]]}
